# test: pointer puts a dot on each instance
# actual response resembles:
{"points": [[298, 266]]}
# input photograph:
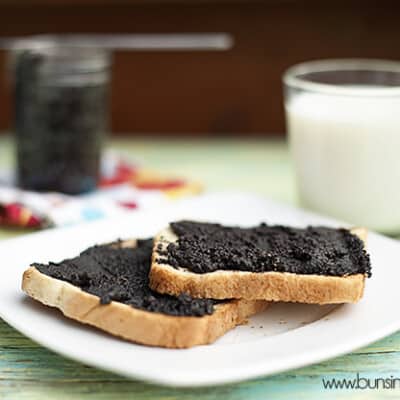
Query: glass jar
{"points": [[61, 115]]}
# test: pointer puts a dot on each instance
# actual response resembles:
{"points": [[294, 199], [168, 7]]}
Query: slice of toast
{"points": [[238, 284], [135, 324]]}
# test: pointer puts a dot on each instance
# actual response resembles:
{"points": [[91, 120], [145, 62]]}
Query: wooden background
{"points": [[236, 92]]}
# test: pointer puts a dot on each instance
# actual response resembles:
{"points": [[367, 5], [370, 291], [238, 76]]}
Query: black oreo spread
{"points": [[113, 272], [203, 247]]}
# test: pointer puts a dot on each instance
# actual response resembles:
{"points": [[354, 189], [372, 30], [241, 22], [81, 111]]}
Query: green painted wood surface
{"points": [[29, 371]]}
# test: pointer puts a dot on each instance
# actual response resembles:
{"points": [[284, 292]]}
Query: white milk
{"points": [[346, 152]]}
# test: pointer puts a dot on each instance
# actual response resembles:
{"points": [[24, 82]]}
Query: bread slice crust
{"points": [[270, 286], [139, 326]]}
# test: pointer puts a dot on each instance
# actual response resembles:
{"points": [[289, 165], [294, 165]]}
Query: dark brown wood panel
{"points": [[238, 91]]}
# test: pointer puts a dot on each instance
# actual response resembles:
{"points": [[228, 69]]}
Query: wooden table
{"points": [[29, 371]]}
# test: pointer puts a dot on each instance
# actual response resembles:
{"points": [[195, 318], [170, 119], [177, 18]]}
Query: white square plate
{"points": [[285, 336]]}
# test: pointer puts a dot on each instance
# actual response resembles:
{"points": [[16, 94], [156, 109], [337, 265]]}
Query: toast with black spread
{"points": [[276, 263], [107, 286]]}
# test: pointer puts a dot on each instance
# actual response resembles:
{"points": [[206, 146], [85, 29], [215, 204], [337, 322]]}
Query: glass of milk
{"points": [[343, 119]]}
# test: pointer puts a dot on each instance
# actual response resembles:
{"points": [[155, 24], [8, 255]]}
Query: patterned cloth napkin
{"points": [[124, 187]]}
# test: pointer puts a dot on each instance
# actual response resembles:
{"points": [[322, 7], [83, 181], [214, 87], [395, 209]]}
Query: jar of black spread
{"points": [[61, 115]]}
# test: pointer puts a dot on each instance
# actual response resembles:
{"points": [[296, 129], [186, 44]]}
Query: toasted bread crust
{"points": [[133, 324], [270, 286]]}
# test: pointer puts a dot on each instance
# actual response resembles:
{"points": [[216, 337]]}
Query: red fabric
{"points": [[123, 173], [131, 205], [161, 185], [15, 214]]}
